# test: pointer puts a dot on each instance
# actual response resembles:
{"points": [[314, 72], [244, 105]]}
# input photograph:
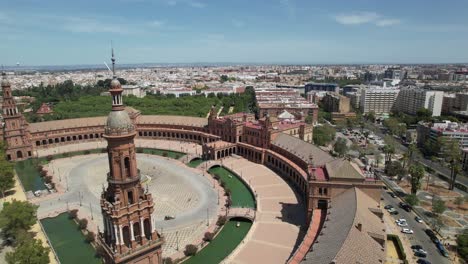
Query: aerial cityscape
{"points": [[203, 132]]}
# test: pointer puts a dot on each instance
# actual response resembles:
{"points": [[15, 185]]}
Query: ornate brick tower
{"points": [[129, 233], [15, 128]]}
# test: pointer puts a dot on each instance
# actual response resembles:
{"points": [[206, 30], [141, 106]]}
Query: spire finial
{"points": [[113, 62]]}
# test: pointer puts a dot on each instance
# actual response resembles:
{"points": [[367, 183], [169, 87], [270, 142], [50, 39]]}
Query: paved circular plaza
{"points": [[177, 191]]}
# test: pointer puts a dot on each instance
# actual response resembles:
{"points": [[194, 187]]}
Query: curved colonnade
{"points": [[291, 168]]}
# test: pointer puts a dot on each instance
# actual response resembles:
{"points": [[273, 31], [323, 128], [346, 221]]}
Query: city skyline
{"points": [[266, 32]]}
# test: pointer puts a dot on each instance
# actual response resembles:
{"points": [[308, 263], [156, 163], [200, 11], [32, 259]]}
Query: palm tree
{"points": [[388, 150], [417, 173], [453, 157]]}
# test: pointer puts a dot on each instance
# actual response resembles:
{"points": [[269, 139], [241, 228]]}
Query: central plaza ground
{"points": [[279, 208]]}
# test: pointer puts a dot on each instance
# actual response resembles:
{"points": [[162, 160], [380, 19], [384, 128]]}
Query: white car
{"points": [[407, 231], [400, 220], [420, 250], [391, 210], [402, 224]]}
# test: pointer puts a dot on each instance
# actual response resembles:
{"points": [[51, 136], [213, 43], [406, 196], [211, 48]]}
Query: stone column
{"points": [[121, 235], [142, 228], [117, 240], [151, 223], [111, 230], [132, 236]]}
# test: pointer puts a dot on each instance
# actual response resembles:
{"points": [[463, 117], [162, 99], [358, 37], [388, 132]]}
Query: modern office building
{"points": [[327, 87], [379, 100], [444, 130], [410, 100], [333, 102]]}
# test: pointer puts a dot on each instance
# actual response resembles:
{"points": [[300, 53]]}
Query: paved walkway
{"points": [[21, 196], [393, 228], [275, 233]]}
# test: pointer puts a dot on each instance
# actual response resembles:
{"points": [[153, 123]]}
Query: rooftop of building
{"points": [[350, 232], [301, 149]]}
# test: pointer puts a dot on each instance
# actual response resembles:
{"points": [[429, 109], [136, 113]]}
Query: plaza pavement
{"points": [[274, 235]]}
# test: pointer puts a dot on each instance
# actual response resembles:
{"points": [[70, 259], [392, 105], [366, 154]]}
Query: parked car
{"points": [[169, 217], [402, 224], [420, 250], [430, 233], [407, 231], [441, 249], [388, 206], [393, 195], [407, 207], [423, 261], [416, 247], [420, 254], [400, 220], [394, 212], [418, 219]]}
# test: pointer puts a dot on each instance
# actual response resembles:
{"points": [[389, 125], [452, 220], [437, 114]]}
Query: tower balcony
{"points": [[115, 210], [111, 180]]}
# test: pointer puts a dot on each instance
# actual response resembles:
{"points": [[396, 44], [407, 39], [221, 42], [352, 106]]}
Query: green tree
{"points": [[388, 150], [452, 154], [29, 251], [438, 206], [394, 168], [412, 199], [417, 173], [340, 147], [7, 181], [408, 156], [17, 216], [371, 116], [223, 78], [424, 114], [323, 135], [462, 244]]}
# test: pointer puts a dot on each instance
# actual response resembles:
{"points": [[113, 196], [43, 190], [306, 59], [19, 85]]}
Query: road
{"points": [[419, 237], [417, 157]]}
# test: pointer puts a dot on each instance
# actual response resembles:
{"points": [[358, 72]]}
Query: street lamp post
{"points": [[177, 239], [207, 217]]}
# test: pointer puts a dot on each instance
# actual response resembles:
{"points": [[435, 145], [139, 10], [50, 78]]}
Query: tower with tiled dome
{"points": [[130, 234], [15, 128]]}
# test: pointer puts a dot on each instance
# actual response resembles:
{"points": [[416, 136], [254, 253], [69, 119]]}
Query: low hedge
{"points": [[400, 248]]}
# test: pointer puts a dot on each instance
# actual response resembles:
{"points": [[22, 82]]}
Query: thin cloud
{"points": [[388, 22], [357, 18], [360, 18]]}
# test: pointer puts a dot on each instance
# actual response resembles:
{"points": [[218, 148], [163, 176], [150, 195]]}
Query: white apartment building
{"points": [[410, 100], [379, 100]]}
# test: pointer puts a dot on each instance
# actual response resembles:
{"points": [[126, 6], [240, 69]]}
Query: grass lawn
{"points": [[195, 162], [240, 194], [223, 244], [68, 241], [160, 152]]}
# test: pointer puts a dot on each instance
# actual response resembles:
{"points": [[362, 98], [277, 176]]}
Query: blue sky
{"points": [[55, 32]]}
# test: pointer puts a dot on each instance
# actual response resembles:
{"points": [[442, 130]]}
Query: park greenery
{"points": [[29, 251], [71, 100], [17, 217], [462, 244], [340, 147], [7, 179], [438, 206], [417, 173], [412, 199], [323, 135]]}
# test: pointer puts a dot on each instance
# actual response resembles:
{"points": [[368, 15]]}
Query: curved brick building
{"points": [[342, 204]]}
